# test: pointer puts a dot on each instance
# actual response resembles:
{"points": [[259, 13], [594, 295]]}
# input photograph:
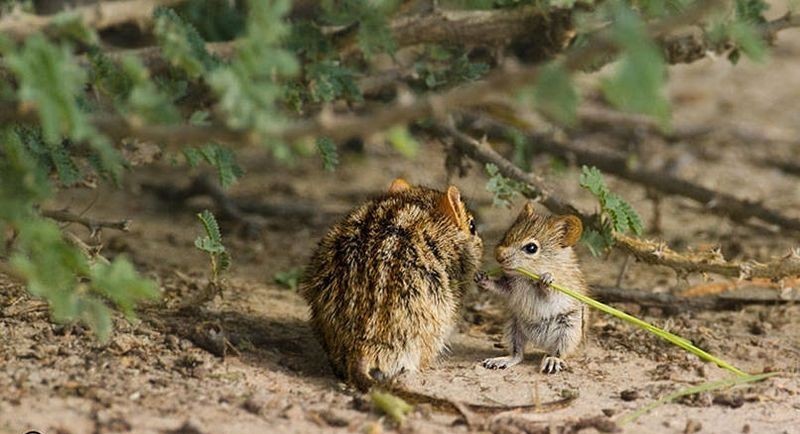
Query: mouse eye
{"points": [[472, 228], [530, 248]]}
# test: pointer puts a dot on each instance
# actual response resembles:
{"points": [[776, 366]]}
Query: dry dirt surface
{"points": [[246, 362]]}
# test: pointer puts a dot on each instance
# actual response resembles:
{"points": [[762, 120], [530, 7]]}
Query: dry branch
{"points": [[401, 112], [657, 253], [101, 15], [92, 224], [650, 252], [717, 202]]}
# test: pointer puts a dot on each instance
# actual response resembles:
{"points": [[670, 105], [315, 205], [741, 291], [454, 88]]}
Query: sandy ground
{"points": [[156, 376]]}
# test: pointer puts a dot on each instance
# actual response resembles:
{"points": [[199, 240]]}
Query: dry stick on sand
{"points": [[101, 15], [651, 252]]}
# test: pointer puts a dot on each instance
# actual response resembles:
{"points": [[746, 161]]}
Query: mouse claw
{"points": [[501, 362], [552, 365], [545, 280], [481, 278]]}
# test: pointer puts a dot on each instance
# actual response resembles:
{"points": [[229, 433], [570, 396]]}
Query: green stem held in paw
{"points": [[663, 334]]}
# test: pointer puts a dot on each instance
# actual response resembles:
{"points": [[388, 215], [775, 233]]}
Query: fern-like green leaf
{"points": [[503, 189], [327, 150], [210, 226]]}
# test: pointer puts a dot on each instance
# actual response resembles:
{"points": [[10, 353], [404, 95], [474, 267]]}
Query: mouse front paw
{"points": [[501, 362], [552, 365], [481, 279], [545, 280]]}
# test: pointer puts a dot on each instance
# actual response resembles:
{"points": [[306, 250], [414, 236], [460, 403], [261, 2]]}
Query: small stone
{"points": [[334, 418], [692, 426], [629, 395], [294, 413], [609, 412], [255, 404]]}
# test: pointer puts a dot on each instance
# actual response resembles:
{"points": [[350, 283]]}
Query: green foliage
{"points": [[182, 44], [328, 152], [145, 102], [50, 81], [617, 214], [403, 141], [638, 84], [503, 189], [370, 17], [247, 88], [289, 279], [53, 269], [219, 157], [122, 285], [328, 80], [555, 95], [443, 67], [742, 32], [215, 20], [211, 243], [70, 26], [49, 156], [751, 11], [107, 76]]}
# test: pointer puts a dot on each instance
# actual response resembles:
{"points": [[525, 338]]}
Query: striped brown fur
{"points": [[385, 283]]}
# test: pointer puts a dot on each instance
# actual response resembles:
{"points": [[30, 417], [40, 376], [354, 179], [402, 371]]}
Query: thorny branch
{"points": [[101, 15], [91, 224], [651, 252], [344, 127]]}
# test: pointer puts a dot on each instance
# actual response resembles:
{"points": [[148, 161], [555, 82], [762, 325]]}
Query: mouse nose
{"points": [[502, 254]]}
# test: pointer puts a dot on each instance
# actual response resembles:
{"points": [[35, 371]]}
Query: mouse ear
{"points": [[398, 185], [451, 206], [528, 209], [572, 228]]}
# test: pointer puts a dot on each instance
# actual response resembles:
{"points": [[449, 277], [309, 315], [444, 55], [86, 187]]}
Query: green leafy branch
{"points": [[503, 189], [616, 215]]}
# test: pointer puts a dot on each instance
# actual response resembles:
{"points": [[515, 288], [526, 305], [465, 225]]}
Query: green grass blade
{"points": [[705, 387], [663, 334]]}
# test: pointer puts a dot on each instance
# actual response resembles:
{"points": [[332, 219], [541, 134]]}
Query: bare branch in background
{"points": [[618, 165], [91, 224], [101, 15]]}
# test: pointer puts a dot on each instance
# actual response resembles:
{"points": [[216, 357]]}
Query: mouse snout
{"points": [[503, 255]]}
